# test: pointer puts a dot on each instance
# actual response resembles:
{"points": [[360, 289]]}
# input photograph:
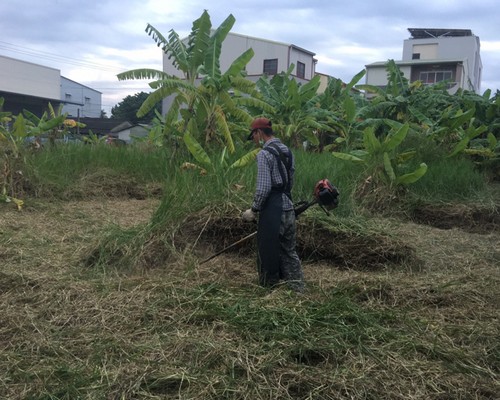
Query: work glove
{"points": [[248, 216]]}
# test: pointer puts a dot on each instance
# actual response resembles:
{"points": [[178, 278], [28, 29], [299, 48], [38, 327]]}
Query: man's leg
{"points": [[291, 269], [268, 241]]}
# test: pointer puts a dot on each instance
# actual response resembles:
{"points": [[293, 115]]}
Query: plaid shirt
{"points": [[268, 177]]}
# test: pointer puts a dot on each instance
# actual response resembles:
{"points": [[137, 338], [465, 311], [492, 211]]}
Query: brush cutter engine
{"points": [[326, 194]]}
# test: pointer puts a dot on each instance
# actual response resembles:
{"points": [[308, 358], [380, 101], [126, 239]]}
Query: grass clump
{"points": [[70, 171]]}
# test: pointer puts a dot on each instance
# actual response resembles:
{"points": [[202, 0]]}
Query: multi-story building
{"points": [[80, 100], [25, 85], [270, 58], [436, 55]]}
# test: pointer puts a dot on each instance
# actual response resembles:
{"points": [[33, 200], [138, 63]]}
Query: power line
{"points": [[54, 57]]}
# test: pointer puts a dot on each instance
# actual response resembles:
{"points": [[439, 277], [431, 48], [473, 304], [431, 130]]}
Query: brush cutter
{"points": [[325, 195]]}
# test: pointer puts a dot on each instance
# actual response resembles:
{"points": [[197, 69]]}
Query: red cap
{"points": [[259, 123]]}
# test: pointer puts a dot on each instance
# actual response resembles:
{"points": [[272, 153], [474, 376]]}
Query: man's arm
{"points": [[264, 183]]}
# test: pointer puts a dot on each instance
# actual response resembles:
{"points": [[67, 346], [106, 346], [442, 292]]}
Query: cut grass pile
{"points": [[425, 326]]}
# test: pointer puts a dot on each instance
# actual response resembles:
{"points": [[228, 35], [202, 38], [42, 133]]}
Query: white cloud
{"points": [[92, 41]]}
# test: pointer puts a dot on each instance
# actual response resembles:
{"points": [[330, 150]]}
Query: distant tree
{"points": [[103, 114], [128, 107]]}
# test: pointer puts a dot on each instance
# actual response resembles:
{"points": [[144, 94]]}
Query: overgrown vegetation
{"points": [[102, 289]]}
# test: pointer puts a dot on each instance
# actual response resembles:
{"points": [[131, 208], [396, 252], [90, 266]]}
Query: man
{"points": [[276, 235]]}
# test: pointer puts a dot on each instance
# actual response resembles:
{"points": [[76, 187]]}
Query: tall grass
{"points": [[451, 180], [311, 167], [58, 169], [448, 179], [61, 166]]}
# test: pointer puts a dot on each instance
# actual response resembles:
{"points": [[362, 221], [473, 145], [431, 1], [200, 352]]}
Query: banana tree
{"points": [[406, 102], [5, 118], [382, 159], [215, 162], [293, 107], [201, 102], [5, 154], [53, 123], [345, 106]]}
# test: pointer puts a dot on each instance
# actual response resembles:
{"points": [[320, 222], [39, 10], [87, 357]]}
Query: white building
{"points": [[25, 85], [128, 132], [270, 58], [435, 55], [80, 100]]}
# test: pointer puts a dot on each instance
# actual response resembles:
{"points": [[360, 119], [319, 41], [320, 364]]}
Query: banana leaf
{"points": [[239, 64], [223, 128], [212, 56], [199, 41], [143, 73], [404, 157], [372, 144], [412, 177], [195, 149], [246, 159], [388, 168], [492, 140], [393, 141], [311, 138], [350, 109], [347, 157]]}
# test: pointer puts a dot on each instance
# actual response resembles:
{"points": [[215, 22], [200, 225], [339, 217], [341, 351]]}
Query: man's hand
{"points": [[248, 216]]}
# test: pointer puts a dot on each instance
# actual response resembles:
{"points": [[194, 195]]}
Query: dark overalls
{"points": [[277, 258]]}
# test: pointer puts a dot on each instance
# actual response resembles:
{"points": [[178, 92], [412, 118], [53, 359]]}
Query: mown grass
{"points": [[184, 330]]}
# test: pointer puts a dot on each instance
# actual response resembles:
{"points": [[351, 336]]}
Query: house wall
{"points": [[29, 79], [124, 135], [426, 51], [377, 75], [135, 131], [235, 44], [458, 54], [323, 82], [466, 48], [30, 86], [80, 100], [306, 58]]}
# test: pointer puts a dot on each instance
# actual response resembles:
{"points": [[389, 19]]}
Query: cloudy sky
{"points": [[93, 40]]}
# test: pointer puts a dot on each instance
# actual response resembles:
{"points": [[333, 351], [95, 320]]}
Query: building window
{"points": [[415, 56], [271, 66], [67, 96], [87, 100], [430, 77], [301, 70]]}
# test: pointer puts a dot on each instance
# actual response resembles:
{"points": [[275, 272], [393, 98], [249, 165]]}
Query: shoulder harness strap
{"points": [[284, 163]]}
